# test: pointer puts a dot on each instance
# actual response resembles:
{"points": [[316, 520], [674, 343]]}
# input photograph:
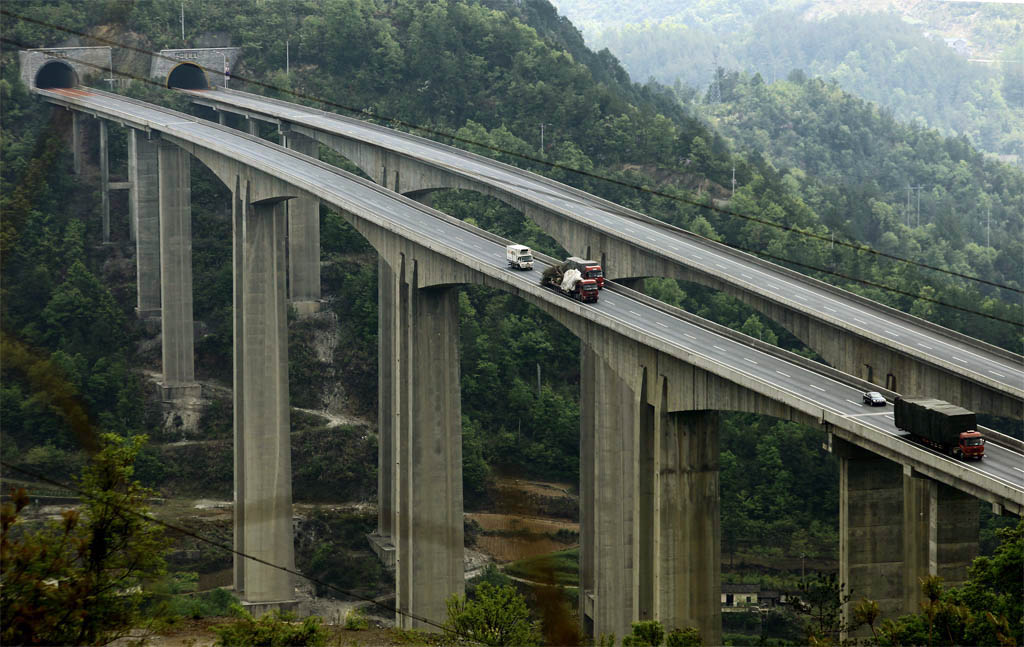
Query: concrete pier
{"points": [[940, 535], [263, 481], [685, 535], [77, 138], [388, 297], [104, 181], [176, 273], [427, 450], [303, 238], [144, 205], [870, 528]]}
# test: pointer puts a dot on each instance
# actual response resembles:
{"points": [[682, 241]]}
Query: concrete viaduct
{"points": [[649, 448]]}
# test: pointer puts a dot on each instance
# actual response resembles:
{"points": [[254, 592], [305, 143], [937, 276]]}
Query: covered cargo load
{"points": [[940, 424]]}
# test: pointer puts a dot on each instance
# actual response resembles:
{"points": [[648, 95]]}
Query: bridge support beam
{"points": [[77, 138], [104, 181], [685, 557], [176, 273], [420, 444], [649, 506], [303, 237], [941, 535], [144, 203], [870, 529], [263, 481]]}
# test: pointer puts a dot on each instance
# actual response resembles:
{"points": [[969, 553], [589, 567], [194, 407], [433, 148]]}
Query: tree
{"points": [[496, 616], [82, 580]]}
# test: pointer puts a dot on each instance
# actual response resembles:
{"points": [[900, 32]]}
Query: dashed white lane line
{"points": [[800, 296], [674, 248], [960, 359], [889, 332], [831, 309], [773, 287], [630, 230], [750, 360], [724, 267], [997, 374], [699, 258], [720, 348], [634, 312], [817, 387], [856, 403], [661, 324], [746, 276], [925, 346], [783, 374], [860, 321], [686, 334]]}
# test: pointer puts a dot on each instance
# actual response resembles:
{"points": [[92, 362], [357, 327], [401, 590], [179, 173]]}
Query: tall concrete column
{"points": [[104, 181], [77, 137], [607, 487], [685, 534], [303, 238], [144, 203], [254, 127], [428, 532], [263, 486], [940, 535], [870, 528], [176, 273], [388, 414]]}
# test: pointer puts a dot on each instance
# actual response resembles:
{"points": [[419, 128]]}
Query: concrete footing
{"points": [[383, 549]]}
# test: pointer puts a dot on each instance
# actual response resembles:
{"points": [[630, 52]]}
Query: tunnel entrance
{"points": [[56, 74], [187, 76]]}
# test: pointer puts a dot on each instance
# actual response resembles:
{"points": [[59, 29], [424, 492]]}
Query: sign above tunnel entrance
{"points": [[194, 69], [64, 67]]}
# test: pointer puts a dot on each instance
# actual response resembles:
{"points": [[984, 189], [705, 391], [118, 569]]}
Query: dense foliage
{"points": [[81, 580], [898, 62]]}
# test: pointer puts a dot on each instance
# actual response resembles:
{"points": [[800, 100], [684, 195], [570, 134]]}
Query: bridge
{"points": [[652, 378]]}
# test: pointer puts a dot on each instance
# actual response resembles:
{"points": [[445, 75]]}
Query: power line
{"points": [[229, 549], [537, 160]]}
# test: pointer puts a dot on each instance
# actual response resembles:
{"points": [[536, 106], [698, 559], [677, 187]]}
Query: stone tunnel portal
{"points": [[187, 76], [56, 74]]}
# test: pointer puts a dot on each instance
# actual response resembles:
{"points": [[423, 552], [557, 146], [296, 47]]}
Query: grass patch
{"points": [[562, 568]]}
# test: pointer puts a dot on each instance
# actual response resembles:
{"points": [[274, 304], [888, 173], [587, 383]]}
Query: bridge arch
{"points": [[187, 76], [56, 74]]}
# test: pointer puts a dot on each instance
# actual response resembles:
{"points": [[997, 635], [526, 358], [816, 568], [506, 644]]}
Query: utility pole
{"points": [[287, 58], [908, 204], [542, 124], [733, 181], [988, 227], [182, 23], [538, 380], [919, 187]]}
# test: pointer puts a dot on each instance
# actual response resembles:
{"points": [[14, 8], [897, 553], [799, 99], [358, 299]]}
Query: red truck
{"points": [[588, 269], [940, 425], [569, 282]]}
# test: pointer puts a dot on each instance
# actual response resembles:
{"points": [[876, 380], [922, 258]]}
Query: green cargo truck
{"points": [[940, 425]]}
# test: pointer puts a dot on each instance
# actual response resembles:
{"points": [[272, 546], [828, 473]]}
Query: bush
{"points": [[356, 621], [497, 616], [273, 629]]}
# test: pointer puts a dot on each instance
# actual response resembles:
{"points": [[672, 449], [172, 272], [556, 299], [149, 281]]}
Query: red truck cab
{"points": [[589, 269], [972, 445], [586, 291]]}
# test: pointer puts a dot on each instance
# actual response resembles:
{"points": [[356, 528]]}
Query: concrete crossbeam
{"points": [[176, 273], [144, 203], [263, 482]]}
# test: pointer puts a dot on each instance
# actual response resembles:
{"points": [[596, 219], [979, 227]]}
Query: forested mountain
{"points": [[899, 62], [491, 73]]}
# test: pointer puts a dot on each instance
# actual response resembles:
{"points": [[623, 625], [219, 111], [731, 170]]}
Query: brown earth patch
{"points": [[510, 537]]}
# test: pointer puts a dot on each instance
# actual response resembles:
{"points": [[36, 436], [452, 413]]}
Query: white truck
{"points": [[519, 257]]}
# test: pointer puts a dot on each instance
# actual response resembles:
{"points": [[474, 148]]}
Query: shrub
{"points": [[273, 629]]}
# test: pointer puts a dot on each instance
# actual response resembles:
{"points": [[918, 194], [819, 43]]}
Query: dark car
{"points": [[874, 398]]}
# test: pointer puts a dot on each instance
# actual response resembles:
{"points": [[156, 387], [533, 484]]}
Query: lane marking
{"points": [[720, 348], [860, 321], [635, 313], [724, 267], [674, 248], [800, 296], [783, 374], [857, 403], [889, 332], [831, 309], [960, 359], [997, 374], [746, 276], [925, 346], [661, 324], [750, 360], [686, 334], [817, 387]]}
